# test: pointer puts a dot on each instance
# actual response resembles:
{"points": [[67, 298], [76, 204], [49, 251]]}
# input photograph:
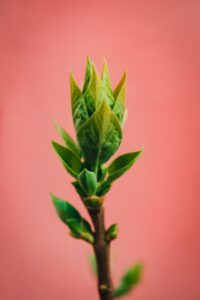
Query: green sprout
{"points": [[98, 113]]}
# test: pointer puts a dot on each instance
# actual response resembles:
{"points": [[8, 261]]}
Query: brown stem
{"points": [[102, 254]]}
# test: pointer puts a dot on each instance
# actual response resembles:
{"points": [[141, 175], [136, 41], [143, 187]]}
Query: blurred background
{"points": [[156, 204]]}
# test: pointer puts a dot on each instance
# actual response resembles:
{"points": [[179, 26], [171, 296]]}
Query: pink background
{"points": [[157, 203]]}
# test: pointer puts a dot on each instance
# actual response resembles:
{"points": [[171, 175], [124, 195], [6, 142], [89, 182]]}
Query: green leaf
{"points": [[124, 117], [70, 161], [78, 189], [119, 106], [88, 74], [120, 85], [122, 164], [100, 137], [65, 210], [102, 171], [79, 227], [79, 109], [109, 97], [103, 188], [88, 182], [112, 232], [94, 93], [129, 280], [69, 142], [106, 77], [108, 93]]}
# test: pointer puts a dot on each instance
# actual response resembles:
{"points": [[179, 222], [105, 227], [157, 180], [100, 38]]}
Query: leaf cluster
{"points": [[98, 112]]}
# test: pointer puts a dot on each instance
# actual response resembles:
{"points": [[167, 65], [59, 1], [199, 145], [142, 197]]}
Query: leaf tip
{"points": [[53, 121], [105, 65], [55, 124], [141, 151], [73, 83], [71, 77], [88, 60], [53, 198], [53, 143]]}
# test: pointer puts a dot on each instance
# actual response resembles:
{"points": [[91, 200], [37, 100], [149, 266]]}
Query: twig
{"points": [[102, 254]]}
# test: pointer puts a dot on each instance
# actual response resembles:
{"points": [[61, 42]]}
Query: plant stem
{"points": [[102, 254]]}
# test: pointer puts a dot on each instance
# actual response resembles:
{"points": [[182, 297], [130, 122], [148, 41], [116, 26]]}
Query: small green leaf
{"points": [[122, 164], [88, 74], [112, 232], [109, 98], [88, 182], [120, 85], [69, 142], [65, 210], [119, 106], [124, 117], [78, 189], [70, 161], [79, 109], [79, 227], [103, 189], [108, 93], [106, 77], [129, 280], [94, 93], [102, 171], [100, 137]]}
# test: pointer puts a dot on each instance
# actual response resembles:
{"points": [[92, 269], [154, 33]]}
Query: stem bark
{"points": [[102, 254]]}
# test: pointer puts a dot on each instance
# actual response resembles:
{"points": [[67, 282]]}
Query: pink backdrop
{"points": [[157, 203]]}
